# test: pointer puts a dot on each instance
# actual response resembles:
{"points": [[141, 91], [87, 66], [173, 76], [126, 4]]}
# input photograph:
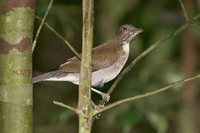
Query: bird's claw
{"points": [[105, 97]]}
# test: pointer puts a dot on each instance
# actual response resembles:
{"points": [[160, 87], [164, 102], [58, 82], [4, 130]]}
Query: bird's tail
{"points": [[46, 76]]}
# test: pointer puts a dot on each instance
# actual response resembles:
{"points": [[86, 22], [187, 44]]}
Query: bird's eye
{"points": [[125, 29]]}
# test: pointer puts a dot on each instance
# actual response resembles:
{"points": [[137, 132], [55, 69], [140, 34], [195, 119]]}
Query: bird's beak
{"points": [[139, 31], [136, 32]]}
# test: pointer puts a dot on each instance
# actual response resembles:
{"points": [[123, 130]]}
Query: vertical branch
{"points": [[84, 103], [16, 30]]}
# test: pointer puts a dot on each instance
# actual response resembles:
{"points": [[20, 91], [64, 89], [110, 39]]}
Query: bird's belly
{"points": [[107, 74]]}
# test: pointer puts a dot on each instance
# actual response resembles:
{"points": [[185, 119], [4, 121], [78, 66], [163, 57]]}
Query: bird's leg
{"points": [[103, 95]]}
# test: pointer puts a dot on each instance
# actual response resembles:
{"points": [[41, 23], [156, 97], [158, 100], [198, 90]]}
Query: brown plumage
{"points": [[107, 60], [102, 56]]}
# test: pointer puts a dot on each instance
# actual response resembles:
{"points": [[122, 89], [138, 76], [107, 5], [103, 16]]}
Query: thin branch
{"points": [[147, 51], [65, 106], [61, 37], [163, 89], [184, 10], [41, 25]]}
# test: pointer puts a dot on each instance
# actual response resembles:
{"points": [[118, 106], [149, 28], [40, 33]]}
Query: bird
{"points": [[108, 59]]}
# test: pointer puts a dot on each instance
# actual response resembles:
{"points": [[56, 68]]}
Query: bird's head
{"points": [[126, 33]]}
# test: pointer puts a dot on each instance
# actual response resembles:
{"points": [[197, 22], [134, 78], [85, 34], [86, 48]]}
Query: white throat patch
{"points": [[126, 48]]}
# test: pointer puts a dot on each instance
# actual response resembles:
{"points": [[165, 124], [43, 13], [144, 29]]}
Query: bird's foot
{"points": [[105, 96]]}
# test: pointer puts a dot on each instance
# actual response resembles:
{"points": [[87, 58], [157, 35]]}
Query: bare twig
{"points": [[61, 37], [145, 94], [65, 106], [147, 51], [184, 10], [41, 25]]}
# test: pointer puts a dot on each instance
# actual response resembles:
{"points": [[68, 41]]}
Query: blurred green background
{"points": [[175, 111]]}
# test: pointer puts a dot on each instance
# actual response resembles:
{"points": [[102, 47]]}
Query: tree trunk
{"points": [[16, 30]]}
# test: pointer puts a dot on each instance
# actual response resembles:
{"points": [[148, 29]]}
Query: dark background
{"points": [[175, 111]]}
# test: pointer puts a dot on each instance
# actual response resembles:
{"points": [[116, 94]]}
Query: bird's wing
{"points": [[102, 57], [72, 65]]}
